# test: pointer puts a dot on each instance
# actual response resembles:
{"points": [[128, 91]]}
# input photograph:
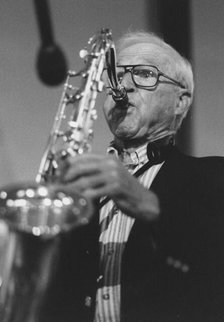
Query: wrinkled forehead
{"points": [[144, 53]]}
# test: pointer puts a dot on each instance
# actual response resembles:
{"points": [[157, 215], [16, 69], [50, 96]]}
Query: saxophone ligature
{"points": [[34, 215]]}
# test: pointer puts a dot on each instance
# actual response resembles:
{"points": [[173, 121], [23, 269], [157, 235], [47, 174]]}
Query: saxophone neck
{"points": [[119, 92]]}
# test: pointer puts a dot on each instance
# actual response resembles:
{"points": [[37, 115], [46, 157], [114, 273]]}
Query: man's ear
{"points": [[183, 102]]}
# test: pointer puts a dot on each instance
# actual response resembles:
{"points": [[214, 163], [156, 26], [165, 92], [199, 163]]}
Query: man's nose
{"points": [[127, 81]]}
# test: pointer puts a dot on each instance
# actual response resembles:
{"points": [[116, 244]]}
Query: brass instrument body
{"points": [[77, 108], [33, 216], [26, 273]]}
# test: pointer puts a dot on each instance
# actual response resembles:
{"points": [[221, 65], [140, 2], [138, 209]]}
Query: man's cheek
{"points": [[108, 106]]}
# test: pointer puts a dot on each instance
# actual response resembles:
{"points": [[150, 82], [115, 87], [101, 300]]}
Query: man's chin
{"points": [[124, 133]]}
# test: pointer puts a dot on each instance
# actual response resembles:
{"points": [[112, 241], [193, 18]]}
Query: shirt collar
{"points": [[132, 158]]}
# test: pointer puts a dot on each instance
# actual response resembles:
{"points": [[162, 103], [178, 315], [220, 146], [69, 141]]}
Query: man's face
{"points": [[149, 112]]}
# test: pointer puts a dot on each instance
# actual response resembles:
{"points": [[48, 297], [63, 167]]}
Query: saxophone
{"points": [[33, 216]]}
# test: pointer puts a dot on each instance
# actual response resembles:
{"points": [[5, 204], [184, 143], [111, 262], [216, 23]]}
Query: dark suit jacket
{"points": [[172, 269]]}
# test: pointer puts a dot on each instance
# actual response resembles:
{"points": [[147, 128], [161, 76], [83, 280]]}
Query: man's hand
{"points": [[95, 176]]}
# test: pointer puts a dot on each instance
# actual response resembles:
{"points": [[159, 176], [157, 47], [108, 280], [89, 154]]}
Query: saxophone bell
{"points": [[33, 218]]}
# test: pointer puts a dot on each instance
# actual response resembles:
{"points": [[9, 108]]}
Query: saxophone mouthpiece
{"points": [[120, 96]]}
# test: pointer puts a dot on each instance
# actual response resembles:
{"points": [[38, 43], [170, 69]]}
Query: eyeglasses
{"points": [[144, 76]]}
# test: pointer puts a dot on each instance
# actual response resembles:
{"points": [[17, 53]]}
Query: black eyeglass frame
{"points": [[129, 68]]}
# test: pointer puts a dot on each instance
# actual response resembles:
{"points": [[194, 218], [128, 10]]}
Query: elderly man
{"points": [[154, 252]]}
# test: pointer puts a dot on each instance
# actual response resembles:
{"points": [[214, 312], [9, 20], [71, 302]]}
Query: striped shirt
{"points": [[115, 230]]}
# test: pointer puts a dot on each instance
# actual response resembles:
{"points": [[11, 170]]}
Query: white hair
{"points": [[177, 63]]}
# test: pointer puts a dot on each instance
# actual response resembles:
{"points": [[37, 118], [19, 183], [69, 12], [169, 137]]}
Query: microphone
{"points": [[51, 63]]}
